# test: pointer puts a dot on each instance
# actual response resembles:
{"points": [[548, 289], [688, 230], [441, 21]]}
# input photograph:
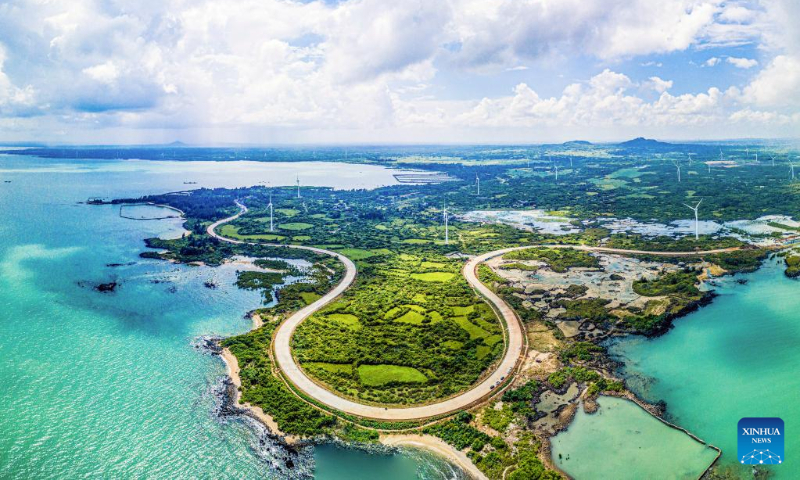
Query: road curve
{"points": [[515, 335]]}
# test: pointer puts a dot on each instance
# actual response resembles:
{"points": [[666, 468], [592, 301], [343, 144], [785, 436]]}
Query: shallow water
{"points": [[736, 358], [622, 441], [110, 385]]}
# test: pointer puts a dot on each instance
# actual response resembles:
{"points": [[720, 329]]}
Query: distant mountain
{"points": [[176, 144], [576, 143], [643, 142]]}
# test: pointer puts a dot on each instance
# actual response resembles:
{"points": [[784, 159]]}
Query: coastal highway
{"points": [[515, 335]]}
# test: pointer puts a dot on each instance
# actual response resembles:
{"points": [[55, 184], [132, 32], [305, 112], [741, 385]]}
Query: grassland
{"points": [[415, 314]]}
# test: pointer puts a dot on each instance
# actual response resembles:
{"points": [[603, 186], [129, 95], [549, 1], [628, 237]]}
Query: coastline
{"points": [[435, 445], [429, 443], [232, 370]]}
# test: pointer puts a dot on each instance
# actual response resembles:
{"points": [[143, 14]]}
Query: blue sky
{"points": [[406, 71]]}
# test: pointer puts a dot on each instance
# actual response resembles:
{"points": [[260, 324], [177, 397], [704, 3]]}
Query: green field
{"points": [[378, 375], [294, 226], [232, 231], [473, 330], [412, 317], [310, 297], [345, 319], [433, 276], [287, 212]]}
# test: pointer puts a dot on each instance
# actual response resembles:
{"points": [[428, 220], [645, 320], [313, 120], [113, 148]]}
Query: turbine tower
{"points": [[696, 219], [678, 166], [556, 167], [269, 205], [791, 166], [446, 226], [478, 183], [298, 186]]}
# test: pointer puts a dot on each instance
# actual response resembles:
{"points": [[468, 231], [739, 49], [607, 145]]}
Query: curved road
{"points": [[515, 334]]}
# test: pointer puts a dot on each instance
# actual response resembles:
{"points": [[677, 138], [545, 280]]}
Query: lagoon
{"points": [[622, 441], [735, 358]]}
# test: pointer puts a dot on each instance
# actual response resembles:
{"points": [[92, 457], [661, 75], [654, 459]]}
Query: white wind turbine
{"points": [[556, 167], [678, 166], [269, 205], [791, 166], [446, 226], [773, 159], [696, 219], [690, 157], [478, 183], [298, 186]]}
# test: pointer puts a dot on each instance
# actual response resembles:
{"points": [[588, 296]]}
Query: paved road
{"points": [[515, 335]]}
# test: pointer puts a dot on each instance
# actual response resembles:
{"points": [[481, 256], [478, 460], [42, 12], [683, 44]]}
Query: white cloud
{"points": [[658, 84], [742, 62], [777, 85], [362, 65], [105, 72]]}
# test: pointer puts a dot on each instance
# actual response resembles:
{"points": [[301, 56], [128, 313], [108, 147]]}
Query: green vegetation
{"points": [[380, 375], [260, 387], [410, 330], [558, 259], [265, 281], [492, 454], [682, 282], [418, 340], [295, 226], [792, 266], [498, 419]]}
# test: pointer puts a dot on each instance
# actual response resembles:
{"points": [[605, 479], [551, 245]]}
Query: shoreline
{"points": [[232, 370], [435, 445], [428, 443]]}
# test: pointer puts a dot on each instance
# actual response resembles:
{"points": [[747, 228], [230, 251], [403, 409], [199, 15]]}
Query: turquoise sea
{"points": [[735, 358], [111, 385]]}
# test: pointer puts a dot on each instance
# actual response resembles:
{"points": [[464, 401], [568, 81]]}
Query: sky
{"points": [[397, 71]]}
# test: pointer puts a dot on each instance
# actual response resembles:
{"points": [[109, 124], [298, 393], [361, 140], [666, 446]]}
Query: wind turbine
{"points": [[556, 167], [690, 157], [478, 183], [720, 155], [773, 159], [446, 226], [696, 220], [298, 186], [678, 166], [791, 166], [269, 205], [570, 162]]}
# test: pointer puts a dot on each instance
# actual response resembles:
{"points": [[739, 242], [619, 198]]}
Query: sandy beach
{"points": [[437, 446], [232, 367]]}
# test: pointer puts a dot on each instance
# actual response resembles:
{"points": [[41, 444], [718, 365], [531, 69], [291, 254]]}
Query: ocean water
{"points": [[110, 384], [735, 358], [631, 443]]}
